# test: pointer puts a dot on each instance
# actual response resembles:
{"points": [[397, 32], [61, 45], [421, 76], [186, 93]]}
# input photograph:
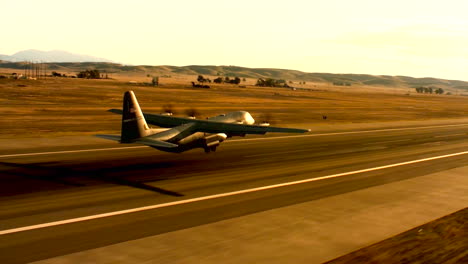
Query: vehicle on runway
{"points": [[179, 134]]}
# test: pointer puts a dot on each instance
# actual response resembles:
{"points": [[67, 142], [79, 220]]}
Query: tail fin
{"points": [[133, 122]]}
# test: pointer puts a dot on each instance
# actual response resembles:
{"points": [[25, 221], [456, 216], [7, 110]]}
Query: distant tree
{"points": [[94, 74], [439, 91], [260, 82], [340, 83], [218, 80], [266, 82], [89, 74], [429, 90], [201, 79], [56, 74]]}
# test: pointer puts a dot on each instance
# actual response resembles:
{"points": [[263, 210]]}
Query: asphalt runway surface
{"points": [[169, 192]]}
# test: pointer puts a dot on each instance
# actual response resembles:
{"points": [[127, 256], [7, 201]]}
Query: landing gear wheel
{"points": [[213, 148]]}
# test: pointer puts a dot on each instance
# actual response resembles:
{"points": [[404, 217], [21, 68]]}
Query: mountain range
{"points": [[50, 56]]}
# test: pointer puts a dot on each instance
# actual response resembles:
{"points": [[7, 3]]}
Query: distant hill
{"points": [[243, 72], [50, 56]]}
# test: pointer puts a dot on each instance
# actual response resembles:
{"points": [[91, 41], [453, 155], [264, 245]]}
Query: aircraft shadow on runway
{"points": [[17, 178]]}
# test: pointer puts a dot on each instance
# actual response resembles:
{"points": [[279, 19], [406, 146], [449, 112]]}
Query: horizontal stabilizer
{"points": [[155, 143], [115, 111], [110, 137]]}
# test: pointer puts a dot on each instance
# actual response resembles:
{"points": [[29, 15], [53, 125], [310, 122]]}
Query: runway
{"points": [[39, 188]]}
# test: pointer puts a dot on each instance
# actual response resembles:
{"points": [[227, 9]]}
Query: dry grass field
{"points": [[69, 106]]}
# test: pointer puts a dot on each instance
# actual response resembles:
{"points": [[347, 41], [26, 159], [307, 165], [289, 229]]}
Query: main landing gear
{"points": [[210, 149]]}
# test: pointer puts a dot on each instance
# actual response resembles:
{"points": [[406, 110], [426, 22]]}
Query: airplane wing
{"points": [[231, 128], [209, 126], [116, 111]]}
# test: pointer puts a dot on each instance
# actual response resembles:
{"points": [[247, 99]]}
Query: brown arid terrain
{"points": [[349, 82], [444, 240], [57, 107], [71, 106]]}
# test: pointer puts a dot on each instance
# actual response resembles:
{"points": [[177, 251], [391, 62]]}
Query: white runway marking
{"points": [[67, 151], [278, 153], [239, 140], [388, 141], [349, 132], [214, 196], [451, 135]]}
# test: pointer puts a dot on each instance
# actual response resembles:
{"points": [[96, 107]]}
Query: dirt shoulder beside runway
{"points": [[444, 240]]}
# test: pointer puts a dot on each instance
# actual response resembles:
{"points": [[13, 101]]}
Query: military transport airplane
{"points": [[179, 134]]}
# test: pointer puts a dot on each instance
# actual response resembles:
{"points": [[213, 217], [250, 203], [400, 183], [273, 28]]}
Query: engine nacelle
{"points": [[213, 140], [192, 138], [220, 137], [212, 144]]}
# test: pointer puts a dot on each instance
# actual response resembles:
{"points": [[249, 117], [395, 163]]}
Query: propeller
{"points": [[168, 109], [192, 112], [265, 119]]}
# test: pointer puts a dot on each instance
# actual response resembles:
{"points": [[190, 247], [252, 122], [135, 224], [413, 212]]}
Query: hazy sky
{"points": [[398, 37]]}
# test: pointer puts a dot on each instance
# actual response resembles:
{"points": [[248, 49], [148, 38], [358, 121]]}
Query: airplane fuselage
{"points": [[209, 141]]}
